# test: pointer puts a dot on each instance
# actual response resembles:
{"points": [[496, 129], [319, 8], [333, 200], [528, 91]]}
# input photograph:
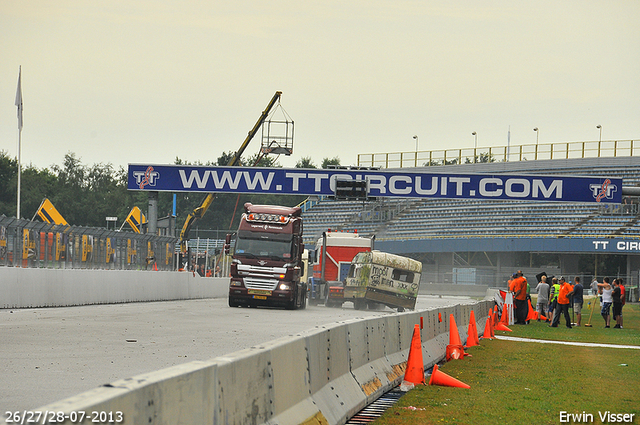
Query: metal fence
{"points": [[530, 152], [26, 243]]}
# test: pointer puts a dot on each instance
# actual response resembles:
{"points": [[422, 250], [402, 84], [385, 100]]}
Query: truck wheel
{"points": [[327, 303], [293, 304], [372, 305], [303, 301], [359, 304], [233, 303]]}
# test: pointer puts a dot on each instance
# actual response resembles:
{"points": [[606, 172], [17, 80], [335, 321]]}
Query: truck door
{"points": [[344, 271]]}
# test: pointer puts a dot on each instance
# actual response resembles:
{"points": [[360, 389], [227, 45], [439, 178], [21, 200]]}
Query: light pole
{"points": [[537, 134], [475, 146], [599, 127], [416, 158]]}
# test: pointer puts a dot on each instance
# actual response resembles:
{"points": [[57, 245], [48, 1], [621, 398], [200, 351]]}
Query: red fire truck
{"points": [[267, 260], [332, 264]]}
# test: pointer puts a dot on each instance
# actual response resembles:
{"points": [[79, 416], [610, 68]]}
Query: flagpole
{"points": [[19, 105], [19, 170]]}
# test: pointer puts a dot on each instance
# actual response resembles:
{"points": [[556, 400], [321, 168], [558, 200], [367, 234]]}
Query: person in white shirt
{"points": [[542, 304], [606, 290]]}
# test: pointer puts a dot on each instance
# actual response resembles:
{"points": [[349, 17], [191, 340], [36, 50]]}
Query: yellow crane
{"points": [[235, 159]]}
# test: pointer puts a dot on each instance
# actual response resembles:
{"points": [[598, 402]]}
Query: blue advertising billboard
{"points": [[321, 182]]}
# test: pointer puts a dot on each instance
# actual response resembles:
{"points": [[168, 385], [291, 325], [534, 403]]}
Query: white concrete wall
{"points": [[325, 375], [26, 287]]}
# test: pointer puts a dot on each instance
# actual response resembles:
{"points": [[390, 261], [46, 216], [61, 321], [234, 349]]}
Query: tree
{"points": [[305, 162], [482, 158], [260, 160], [225, 158], [35, 186], [326, 162], [8, 184]]}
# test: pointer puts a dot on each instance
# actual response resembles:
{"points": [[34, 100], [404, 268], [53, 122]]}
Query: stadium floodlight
{"points": [[537, 134]]}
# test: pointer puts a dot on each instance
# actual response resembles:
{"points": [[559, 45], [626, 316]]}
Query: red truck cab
{"points": [[333, 254]]}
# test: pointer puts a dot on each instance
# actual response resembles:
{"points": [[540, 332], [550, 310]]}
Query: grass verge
{"points": [[532, 383]]}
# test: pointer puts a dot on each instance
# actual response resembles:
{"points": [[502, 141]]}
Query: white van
{"points": [[378, 278]]}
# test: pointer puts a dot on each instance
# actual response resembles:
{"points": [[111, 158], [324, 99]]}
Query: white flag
{"points": [[19, 99]]}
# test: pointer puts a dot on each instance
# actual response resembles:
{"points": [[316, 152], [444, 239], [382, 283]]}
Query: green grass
{"points": [[531, 383]]}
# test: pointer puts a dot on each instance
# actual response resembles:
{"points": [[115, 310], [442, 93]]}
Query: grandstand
{"points": [[449, 226]]}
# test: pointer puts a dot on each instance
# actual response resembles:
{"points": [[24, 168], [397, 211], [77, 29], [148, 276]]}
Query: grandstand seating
{"points": [[446, 218]]}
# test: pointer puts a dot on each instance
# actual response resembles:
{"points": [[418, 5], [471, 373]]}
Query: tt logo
{"points": [[148, 177], [605, 190]]}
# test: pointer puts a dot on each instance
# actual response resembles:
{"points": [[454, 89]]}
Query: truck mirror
{"points": [[227, 244]]}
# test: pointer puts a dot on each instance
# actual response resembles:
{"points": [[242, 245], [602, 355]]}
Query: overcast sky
{"points": [[147, 81]]}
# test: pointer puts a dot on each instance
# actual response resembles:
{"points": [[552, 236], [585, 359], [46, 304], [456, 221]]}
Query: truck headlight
{"points": [[285, 287]]}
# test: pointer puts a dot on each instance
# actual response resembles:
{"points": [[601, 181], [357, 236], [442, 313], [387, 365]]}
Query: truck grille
{"points": [[256, 277], [257, 283]]}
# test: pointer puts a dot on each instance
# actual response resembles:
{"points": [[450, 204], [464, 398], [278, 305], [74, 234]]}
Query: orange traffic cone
{"points": [[542, 317], [487, 330], [155, 266], [494, 314], [504, 319], [454, 336], [502, 327], [442, 379], [472, 338], [533, 314], [415, 367], [454, 350]]}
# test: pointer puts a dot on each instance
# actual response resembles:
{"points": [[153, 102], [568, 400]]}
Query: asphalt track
{"points": [[49, 354]]}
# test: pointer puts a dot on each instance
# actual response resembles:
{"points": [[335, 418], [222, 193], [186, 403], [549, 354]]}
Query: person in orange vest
{"points": [[566, 291], [519, 289]]}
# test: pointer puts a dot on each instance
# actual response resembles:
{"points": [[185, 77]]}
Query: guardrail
{"points": [[35, 244], [527, 152], [325, 375]]}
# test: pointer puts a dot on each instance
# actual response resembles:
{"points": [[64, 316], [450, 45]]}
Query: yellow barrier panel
{"points": [[48, 213]]}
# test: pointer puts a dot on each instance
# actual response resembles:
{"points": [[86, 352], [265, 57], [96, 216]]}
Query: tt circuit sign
{"points": [[179, 178]]}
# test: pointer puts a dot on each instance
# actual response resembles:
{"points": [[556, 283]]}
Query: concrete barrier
{"points": [[323, 376], [27, 288]]}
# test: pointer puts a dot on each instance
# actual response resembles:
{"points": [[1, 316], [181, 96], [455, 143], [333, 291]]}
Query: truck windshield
{"points": [[259, 244]]}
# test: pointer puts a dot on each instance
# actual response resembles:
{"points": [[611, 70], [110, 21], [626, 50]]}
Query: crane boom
{"points": [[235, 159]]}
